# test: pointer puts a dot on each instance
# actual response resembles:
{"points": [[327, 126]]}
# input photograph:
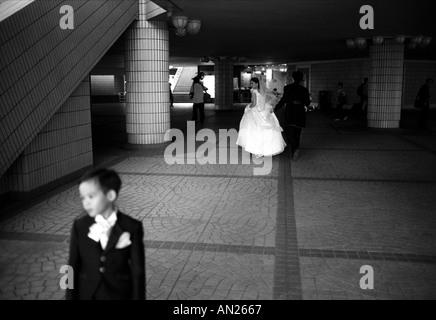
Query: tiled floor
{"points": [[354, 197]]}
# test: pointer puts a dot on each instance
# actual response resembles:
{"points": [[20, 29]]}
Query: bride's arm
{"points": [[253, 100]]}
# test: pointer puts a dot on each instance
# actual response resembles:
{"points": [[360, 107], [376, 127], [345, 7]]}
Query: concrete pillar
{"points": [[223, 83], [147, 75], [385, 84]]}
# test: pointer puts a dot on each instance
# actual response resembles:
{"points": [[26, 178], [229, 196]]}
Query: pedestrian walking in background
{"points": [[296, 97], [362, 92], [341, 100], [171, 97], [196, 93]]}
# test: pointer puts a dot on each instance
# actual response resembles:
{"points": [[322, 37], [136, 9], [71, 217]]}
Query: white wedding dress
{"points": [[259, 130]]}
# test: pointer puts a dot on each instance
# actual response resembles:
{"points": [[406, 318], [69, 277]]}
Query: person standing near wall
{"points": [[362, 92], [197, 94], [171, 97], [341, 100]]}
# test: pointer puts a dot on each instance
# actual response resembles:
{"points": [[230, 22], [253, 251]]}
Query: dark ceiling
{"points": [[281, 31]]}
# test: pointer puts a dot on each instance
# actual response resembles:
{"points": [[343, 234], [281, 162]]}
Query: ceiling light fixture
{"points": [[351, 43], [183, 25], [425, 42], [180, 22], [193, 26], [180, 32], [377, 40], [361, 43], [410, 41], [400, 39]]}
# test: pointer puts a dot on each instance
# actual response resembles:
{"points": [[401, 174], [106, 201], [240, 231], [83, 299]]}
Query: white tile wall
{"points": [[415, 74], [326, 74], [147, 75], [63, 146], [41, 66]]}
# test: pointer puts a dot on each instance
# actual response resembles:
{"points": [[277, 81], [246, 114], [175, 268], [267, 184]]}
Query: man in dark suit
{"points": [[296, 97], [106, 250]]}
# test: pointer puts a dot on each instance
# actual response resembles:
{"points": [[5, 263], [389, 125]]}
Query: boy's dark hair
{"points": [[107, 179], [297, 76]]}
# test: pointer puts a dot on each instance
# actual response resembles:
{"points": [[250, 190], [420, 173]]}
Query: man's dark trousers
{"points": [[293, 135]]}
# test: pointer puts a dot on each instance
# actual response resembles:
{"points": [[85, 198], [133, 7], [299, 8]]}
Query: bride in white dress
{"points": [[259, 130]]}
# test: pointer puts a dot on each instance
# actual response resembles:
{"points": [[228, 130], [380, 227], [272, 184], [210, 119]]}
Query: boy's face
{"points": [[94, 200]]}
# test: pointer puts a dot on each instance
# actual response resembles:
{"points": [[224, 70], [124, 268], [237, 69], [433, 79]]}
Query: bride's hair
{"points": [[256, 80]]}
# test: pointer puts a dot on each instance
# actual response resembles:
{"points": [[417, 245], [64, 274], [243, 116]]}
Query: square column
{"points": [[385, 86], [223, 83]]}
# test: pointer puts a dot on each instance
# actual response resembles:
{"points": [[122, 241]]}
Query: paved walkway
{"points": [[354, 197]]}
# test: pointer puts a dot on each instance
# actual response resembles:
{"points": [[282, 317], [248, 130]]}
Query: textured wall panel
{"points": [[42, 64], [62, 147], [415, 73], [326, 75]]}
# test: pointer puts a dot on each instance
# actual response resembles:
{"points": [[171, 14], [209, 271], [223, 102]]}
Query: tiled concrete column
{"points": [[385, 84], [223, 84], [147, 75]]}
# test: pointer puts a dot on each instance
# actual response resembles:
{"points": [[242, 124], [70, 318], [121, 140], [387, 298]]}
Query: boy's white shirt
{"points": [[100, 230]]}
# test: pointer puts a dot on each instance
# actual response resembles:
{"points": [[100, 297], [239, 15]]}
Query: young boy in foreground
{"points": [[106, 249]]}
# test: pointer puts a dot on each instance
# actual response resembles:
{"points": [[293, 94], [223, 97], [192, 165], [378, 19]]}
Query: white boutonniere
{"points": [[95, 232], [123, 241]]}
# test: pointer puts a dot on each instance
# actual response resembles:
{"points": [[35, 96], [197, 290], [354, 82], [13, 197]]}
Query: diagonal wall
{"points": [[42, 64]]}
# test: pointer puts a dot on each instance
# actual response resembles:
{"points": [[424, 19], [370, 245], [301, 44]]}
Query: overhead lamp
{"points": [[417, 40], [183, 25], [425, 42], [410, 41], [377, 40], [400, 39], [351, 43], [180, 22], [361, 43], [193, 26], [180, 32], [224, 58]]}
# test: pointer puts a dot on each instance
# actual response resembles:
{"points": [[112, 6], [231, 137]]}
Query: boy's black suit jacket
{"points": [[121, 271]]}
